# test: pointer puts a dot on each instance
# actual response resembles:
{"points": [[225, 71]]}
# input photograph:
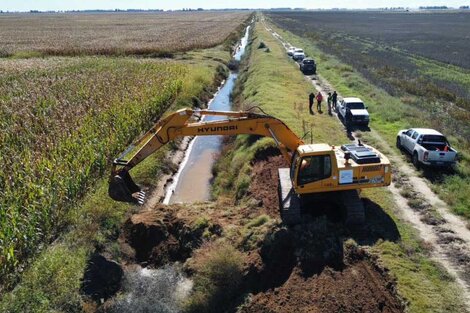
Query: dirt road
{"points": [[445, 232]]}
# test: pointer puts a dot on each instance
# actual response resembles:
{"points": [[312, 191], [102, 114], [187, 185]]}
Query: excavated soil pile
{"points": [[264, 182], [306, 268], [159, 237], [360, 286]]}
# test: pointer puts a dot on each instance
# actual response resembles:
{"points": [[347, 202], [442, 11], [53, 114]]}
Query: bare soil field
{"points": [[114, 34], [440, 36], [419, 58]]}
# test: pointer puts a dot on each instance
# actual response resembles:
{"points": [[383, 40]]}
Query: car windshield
{"points": [[355, 106], [309, 62], [299, 50]]}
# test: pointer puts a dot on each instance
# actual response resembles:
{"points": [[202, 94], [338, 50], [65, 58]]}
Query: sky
{"points": [[57, 5]]}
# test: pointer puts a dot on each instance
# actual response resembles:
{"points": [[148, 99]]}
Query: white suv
{"points": [[353, 111], [299, 55]]}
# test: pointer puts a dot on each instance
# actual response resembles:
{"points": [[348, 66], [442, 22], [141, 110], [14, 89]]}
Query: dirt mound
{"points": [[158, 237], [306, 269], [309, 247], [264, 182], [361, 286]]}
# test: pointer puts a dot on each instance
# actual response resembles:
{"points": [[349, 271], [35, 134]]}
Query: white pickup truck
{"points": [[426, 146]]}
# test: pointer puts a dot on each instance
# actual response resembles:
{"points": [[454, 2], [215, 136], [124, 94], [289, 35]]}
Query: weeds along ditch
{"points": [[403, 87]]}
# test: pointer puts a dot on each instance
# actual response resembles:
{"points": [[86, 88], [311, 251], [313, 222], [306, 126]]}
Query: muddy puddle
{"points": [[153, 290], [193, 180]]}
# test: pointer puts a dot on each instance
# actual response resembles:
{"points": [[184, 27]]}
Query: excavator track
{"points": [[355, 212], [291, 205], [289, 202]]}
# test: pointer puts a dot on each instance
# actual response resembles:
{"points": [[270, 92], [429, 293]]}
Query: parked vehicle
{"points": [[299, 55], [426, 146], [308, 66], [353, 111], [290, 51]]}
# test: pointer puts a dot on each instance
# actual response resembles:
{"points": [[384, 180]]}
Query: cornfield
{"points": [[62, 121], [114, 34]]}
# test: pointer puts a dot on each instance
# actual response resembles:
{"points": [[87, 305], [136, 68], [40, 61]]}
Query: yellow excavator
{"points": [[314, 168]]}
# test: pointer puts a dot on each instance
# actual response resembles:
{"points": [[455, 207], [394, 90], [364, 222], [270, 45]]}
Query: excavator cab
{"points": [[332, 173]]}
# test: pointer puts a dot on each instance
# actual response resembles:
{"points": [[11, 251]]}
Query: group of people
{"points": [[331, 100]]}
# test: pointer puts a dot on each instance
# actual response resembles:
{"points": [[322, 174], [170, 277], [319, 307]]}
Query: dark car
{"points": [[308, 66]]}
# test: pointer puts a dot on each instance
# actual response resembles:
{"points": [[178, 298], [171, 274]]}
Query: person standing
{"points": [[311, 98], [329, 99], [319, 100], [334, 98]]}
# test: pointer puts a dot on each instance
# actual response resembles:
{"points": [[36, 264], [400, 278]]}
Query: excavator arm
{"points": [[187, 122]]}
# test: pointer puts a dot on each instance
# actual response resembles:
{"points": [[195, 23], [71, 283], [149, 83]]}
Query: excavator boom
{"points": [[187, 122]]}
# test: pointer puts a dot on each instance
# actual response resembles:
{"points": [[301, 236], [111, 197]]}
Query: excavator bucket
{"points": [[122, 188]]}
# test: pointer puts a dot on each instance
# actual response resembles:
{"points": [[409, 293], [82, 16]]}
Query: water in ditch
{"points": [[193, 180]]}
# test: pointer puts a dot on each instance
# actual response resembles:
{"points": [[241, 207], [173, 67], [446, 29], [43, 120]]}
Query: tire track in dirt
{"points": [[449, 235]]}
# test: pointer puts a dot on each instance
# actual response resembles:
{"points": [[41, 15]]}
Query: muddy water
{"points": [[193, 180]]}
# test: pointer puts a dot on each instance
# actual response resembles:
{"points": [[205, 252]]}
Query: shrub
{"points": [[258, 221], [218, 270]]}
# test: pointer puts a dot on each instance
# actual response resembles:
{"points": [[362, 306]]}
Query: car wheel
{"points": [[415, 160], [398, 143]]}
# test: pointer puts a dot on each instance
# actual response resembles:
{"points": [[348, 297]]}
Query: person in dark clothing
{"points": [[329, 99], [319, 100], [311, 98], [334, 98]]}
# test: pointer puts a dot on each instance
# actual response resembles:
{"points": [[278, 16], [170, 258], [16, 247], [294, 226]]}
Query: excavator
{"points": [[315, 169]]}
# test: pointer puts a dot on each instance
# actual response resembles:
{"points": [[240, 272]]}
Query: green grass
{"points": [[275, 83], [426, 286], [278, 87], [51, 282], [390, 114], [446, 72]]}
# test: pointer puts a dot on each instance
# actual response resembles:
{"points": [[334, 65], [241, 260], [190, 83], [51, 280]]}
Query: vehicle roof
{"points": [[299, 49], [309, 59], [299, 53], [427, 131], [352, 99], [314, 148]]}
